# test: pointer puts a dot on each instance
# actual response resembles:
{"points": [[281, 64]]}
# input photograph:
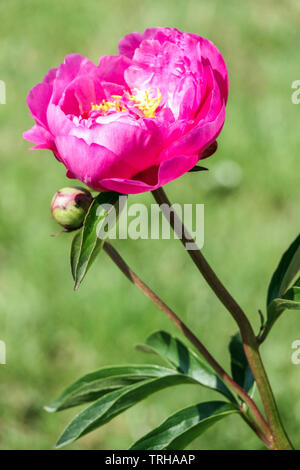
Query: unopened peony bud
{"points": [[69, 207]]}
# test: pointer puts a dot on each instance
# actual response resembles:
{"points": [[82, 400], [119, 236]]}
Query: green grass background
{"points": [[54, 335]]}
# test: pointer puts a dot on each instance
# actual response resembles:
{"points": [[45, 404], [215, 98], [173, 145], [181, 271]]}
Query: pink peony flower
{"points": [[138, 119]]}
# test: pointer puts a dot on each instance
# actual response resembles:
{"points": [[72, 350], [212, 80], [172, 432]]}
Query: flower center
{"points": [[106, 106], [145, 102], [141, 102]]}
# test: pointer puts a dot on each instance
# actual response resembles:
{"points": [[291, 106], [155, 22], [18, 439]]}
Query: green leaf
{"points": [[285, 272], [289, 301], [198, 168], [116, 402], [183, 427], [87, 243], [92, 386], [282, 295], [74, 252], [185, 361], [240, 369]]}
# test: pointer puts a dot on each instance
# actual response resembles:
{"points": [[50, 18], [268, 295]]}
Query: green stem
{"points": [[250, 343], [262, 430], [252, 424]]}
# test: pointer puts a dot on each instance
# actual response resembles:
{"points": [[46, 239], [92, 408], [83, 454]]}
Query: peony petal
{"points": [[59, 123], [167, 172], [73, 66], [112, 69], [209, 51], [80, 94], [38, 100], [39, 136], [90, 163], [156, 66], [197, 138], [162, 34], [129, 43], [50, 76], [136, 143]]}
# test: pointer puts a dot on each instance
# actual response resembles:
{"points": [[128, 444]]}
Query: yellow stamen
{"points": [[142, 98], [107, 105], [145, 103]]}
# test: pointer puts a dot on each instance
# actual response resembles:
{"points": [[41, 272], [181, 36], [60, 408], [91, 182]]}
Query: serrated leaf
{"points": [[286, 272], [96, 384], [185, 361], [180, 429], [87, 245], [112, 404], [240, 369]]}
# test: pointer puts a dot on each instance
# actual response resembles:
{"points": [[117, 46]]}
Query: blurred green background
{"points": [[54, 335]]}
